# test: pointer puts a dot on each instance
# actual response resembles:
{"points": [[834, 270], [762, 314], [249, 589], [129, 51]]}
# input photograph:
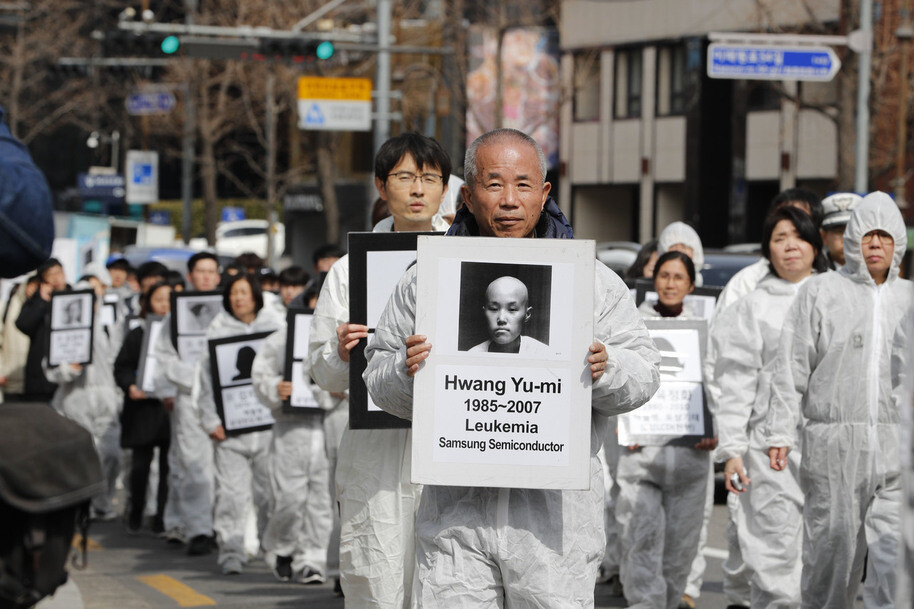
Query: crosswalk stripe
{"points": [[182, 594]]}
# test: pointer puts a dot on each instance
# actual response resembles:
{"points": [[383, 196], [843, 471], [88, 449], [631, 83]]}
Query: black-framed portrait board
{"points": [[72, 327], [239, 408], [298, 334], [377, 261], [191, 314], [678, 413]]}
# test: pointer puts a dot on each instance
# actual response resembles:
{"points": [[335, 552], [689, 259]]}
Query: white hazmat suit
{"points": [[242, 462], [833, 368], [302, 517], [522, 548], [766, 519], [190, 455], [91, 397], [660, 509], [377, 500]]}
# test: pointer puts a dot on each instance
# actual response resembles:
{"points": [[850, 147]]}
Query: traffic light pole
{"points": [[382, 76]]}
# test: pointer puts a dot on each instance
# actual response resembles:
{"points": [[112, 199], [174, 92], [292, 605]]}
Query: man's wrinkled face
{"points": [[508, 193], [506, 309]]}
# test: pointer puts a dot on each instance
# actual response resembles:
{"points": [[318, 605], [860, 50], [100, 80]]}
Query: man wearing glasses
{"points": [[377, 500], [833, 367]]}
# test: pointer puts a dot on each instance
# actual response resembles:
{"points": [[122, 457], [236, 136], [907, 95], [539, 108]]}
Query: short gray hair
{"points": [[496, 135]]}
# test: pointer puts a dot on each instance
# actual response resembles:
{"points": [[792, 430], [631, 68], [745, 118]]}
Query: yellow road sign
{"points": [[318, 87]]}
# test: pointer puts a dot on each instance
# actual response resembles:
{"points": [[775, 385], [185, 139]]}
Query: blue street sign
{"points": [[153, 102], [160, 218], [759, 62], [232, 214], [100, 186]]}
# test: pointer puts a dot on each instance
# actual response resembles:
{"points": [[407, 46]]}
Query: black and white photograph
{"points": [[194, 311], [678, 413], [377, 261], [146, 372], [72, 309], [191, 314], [505, 308], [510, 328], [231, 360], [72, 322], [298, 328]]}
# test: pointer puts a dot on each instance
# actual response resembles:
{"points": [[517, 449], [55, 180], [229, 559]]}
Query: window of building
{"points": [[587, 86], [671, 66], [628, 83]]}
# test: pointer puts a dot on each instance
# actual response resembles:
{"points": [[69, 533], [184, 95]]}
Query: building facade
{"points": [[647, 138]]}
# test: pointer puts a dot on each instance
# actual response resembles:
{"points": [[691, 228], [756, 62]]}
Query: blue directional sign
{"points": [[232, 214], [100, 186], [759, 62], [153, 102]]}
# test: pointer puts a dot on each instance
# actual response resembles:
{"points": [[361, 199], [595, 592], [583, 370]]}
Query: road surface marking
{"points": [[716, 553], [91, 544], [184, 595]]}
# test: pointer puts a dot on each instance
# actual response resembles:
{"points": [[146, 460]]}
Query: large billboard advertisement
{"points": [[530, 84]]}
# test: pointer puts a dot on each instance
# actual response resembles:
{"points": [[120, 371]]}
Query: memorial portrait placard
{"points": [[298, 333], [678, 413], [376, 263], [191, 313], [702, 300], [146, 371], [72, 326], [504, 398], [108, 314], [239, 408]]}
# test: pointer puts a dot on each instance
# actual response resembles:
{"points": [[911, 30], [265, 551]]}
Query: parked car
{"points": [[241, 236], [618, 255], [175, 258], [721, 265]]}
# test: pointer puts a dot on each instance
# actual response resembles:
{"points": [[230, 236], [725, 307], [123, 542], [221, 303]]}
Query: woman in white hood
{"points": [[242, 462]]}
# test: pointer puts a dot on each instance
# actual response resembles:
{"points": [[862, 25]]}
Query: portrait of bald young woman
{"points": [[505, 308]]}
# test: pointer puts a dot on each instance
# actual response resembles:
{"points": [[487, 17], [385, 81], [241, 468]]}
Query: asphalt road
{"points": [[143, 572]]}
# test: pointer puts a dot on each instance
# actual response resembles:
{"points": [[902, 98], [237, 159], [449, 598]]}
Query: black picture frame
{"points": [[219, 388], [147, 349], [180, 306], [361, 247], [295, 354], [700, 327], [64, 330]]}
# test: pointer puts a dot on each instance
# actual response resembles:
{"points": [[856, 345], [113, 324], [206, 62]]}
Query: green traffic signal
{"points": [[170, 45], [325, 50]]}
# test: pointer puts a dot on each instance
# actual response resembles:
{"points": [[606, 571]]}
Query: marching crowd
{"points": [[806, 374]]}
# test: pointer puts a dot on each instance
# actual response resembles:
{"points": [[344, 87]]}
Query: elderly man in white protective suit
{"points": [[833, 368], [496, 547]]}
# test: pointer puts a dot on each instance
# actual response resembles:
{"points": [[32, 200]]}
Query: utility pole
{"points": [[188, 144], [382, 75]]}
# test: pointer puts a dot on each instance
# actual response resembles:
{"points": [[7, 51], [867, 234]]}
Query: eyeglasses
{"points": [[884, 237], [406, 178]]}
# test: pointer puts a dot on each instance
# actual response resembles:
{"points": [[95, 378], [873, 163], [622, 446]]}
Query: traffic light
{"points": [[295, 51], [121, 43]]}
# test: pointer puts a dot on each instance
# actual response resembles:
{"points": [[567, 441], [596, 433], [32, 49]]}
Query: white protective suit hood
{"points": [[877, 211], [680, 232]]}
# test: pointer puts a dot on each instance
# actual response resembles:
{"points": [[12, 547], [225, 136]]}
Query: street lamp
{"points": [[95, 138]]}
